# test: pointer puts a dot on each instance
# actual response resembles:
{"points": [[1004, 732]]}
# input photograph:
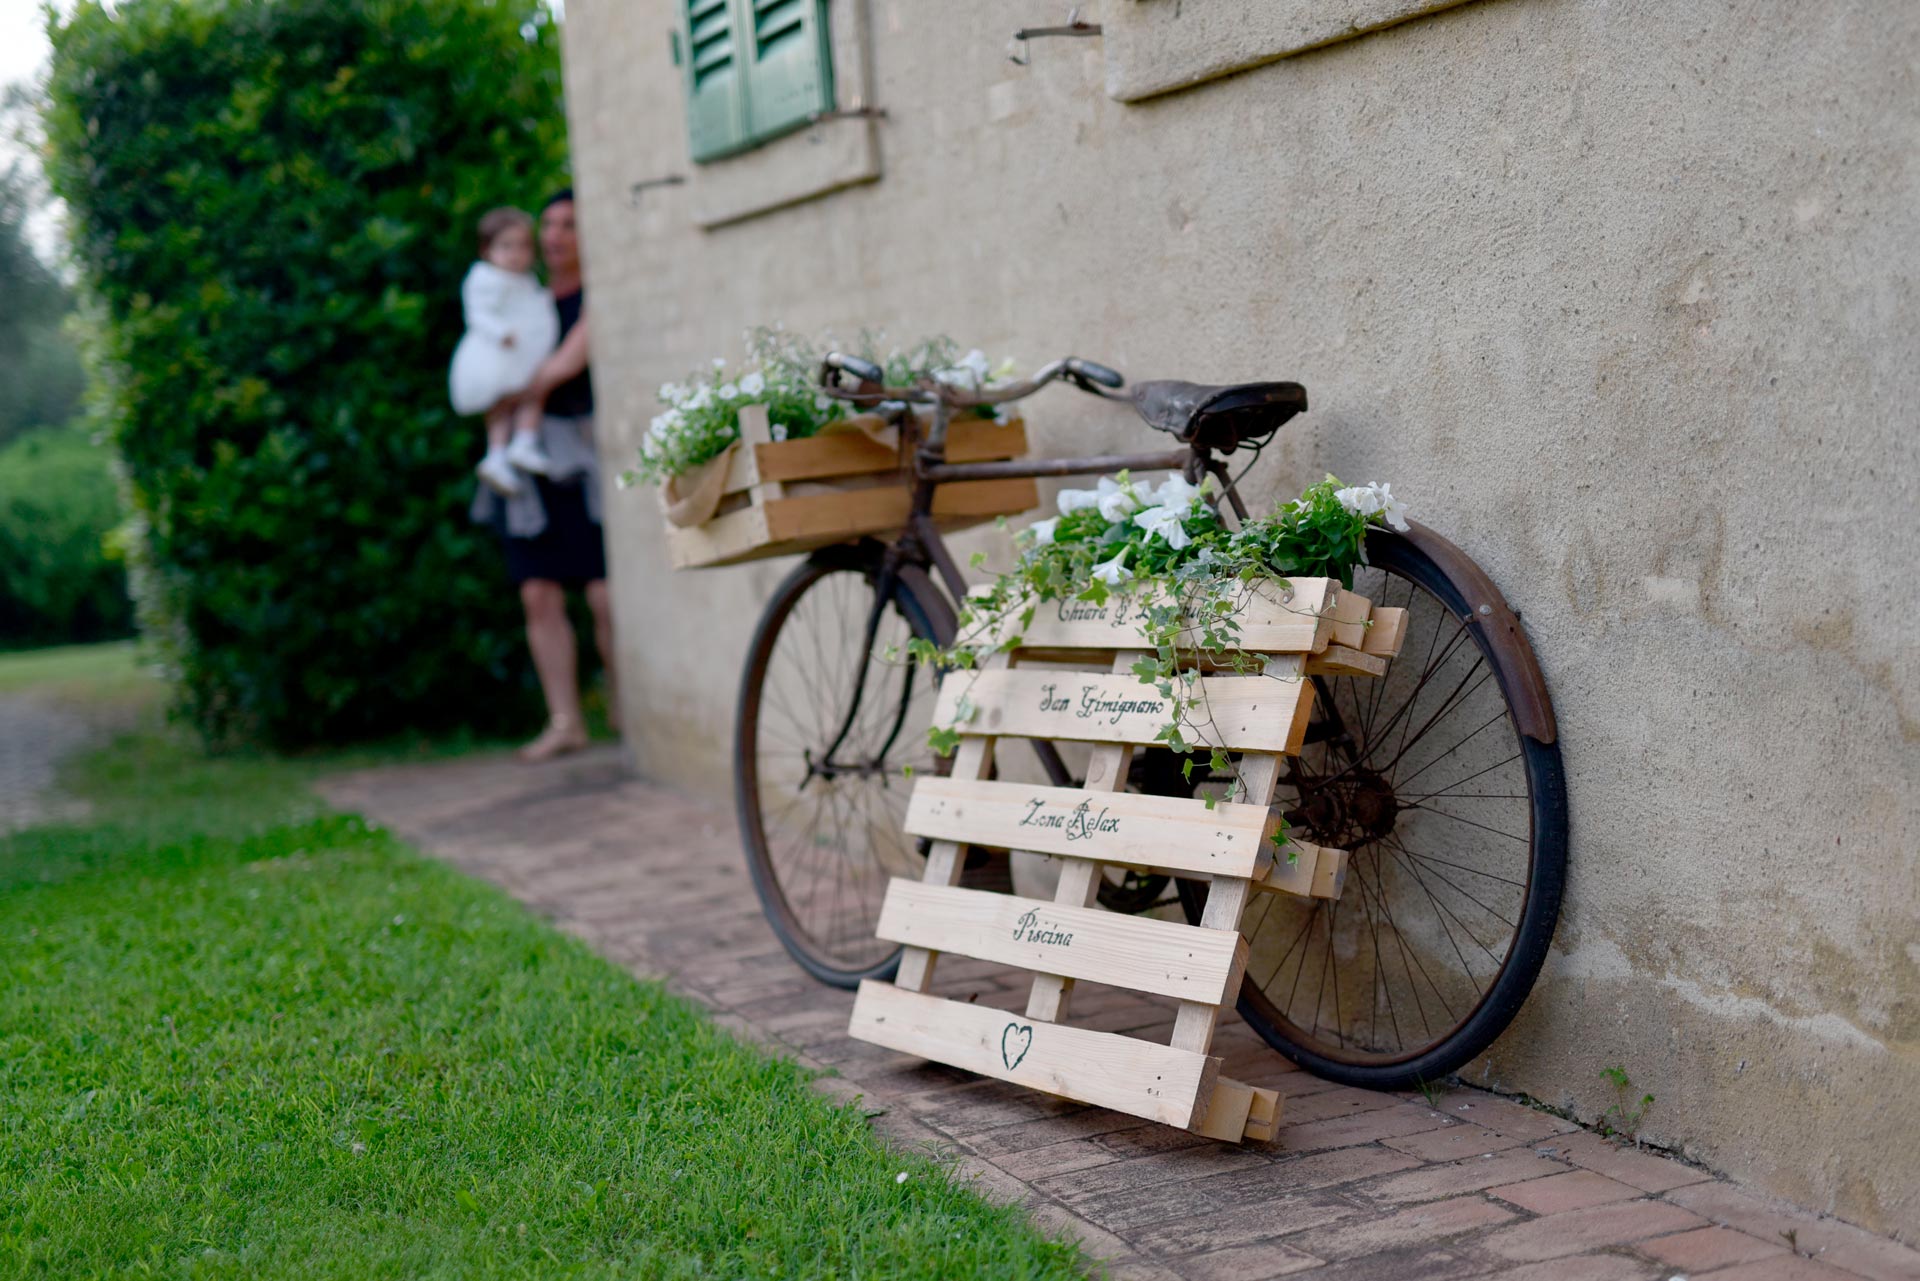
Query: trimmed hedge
{"points": [[58, 584], [274, 200]]}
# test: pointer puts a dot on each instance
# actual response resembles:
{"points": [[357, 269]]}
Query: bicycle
{"points": [[1442, 777]]}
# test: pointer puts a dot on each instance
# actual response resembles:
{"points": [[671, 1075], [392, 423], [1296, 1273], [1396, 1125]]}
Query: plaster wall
{"points": [[1620, 295]]}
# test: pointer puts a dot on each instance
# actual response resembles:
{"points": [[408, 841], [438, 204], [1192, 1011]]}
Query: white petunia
{"points": [[1164, 522], [719, 362], [1117, 501], [1072, 500], [1176, 493], [1392, 510], [1042, 530], [729, 390], [778, 431], [1374, 500], [1113, 572], [753, 384]]}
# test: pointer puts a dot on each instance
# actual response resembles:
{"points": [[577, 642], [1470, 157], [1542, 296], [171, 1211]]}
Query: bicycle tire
{"points": [[1516, 672], [844, 957]]}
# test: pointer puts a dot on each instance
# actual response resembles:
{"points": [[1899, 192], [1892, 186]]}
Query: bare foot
{"points": [[563, 734]]}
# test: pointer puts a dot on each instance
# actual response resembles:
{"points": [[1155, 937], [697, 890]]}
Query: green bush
{"points": [[57, 582], [274, 201]]}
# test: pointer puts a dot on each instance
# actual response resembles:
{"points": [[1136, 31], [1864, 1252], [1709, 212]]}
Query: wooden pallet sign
{"points": [[1307, 627]]}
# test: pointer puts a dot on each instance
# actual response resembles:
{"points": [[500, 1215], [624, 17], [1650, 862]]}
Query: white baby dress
{"points": [[498, 302]]}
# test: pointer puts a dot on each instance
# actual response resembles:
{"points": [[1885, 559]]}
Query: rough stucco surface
{"points": [[1621, 296]]}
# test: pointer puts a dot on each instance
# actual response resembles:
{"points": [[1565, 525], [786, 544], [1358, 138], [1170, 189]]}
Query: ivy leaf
{"points": [[1146, 669], [977, 559], [943, 741]]}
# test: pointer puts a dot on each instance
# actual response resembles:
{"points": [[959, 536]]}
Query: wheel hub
{"points": [[1350, 811]]}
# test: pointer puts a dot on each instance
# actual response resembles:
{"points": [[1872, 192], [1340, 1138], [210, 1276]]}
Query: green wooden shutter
{"points": [[716, 99], [789, 67]]}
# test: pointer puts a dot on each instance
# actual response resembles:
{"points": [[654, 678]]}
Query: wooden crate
{"points": [[786, 496], [1309, 625]]}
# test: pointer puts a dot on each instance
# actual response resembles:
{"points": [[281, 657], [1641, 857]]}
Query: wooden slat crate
{"points": [[786, 496], [1303, 627]]}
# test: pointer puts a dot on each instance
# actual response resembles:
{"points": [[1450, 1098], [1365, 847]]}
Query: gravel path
{"points": [[37, 733]]}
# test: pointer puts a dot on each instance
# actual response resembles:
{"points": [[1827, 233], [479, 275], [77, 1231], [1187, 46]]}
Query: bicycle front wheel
{"points": [[828, 731], [1455, 821]]}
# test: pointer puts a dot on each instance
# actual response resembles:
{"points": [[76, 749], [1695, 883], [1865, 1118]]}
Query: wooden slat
{"points": [[853, 453], [1175, 832], [1258, 774], [1107, 1070], [1271, 621], [1349, 612], [945, 861], [886, 507], [1338, 660], [1079, 884], [1140, 953], [1315, 871], [1388, 633], [801, 523], [1237, 713], [1263, 1118]]}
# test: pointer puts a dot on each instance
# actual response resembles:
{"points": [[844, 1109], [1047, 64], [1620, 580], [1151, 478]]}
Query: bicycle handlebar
{"points": [[1084, 374]]}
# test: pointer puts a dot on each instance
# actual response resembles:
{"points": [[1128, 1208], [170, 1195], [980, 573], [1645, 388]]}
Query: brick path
{"points": [[1358, 1184]]}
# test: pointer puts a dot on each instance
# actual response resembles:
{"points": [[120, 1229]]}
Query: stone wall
{"points": [[1619, 295]]}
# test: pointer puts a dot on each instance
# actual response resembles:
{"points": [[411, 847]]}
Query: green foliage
{"points": [[274, 204], [40, 376], [59, 581], [1627, 1112], [243, 1037]]}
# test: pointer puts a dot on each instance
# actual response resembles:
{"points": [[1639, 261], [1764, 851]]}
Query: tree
{"points": [[274, 202]]}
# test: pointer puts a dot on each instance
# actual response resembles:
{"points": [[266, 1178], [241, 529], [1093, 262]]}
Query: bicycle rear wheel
{"points": [[1456, 825], [825, 735]]}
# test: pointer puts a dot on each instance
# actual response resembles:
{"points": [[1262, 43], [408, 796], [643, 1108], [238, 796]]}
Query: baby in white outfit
{"points": [[511, 327]]}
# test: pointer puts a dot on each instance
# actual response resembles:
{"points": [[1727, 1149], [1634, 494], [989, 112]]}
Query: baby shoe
{"points": [[499, 474], [526, 454]]}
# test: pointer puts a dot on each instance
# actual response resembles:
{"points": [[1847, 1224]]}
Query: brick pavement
{"points": [[1357, 1184]]}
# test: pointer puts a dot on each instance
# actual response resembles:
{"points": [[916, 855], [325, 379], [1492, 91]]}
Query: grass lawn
{"points": [[242, 1036], [107, 672]]}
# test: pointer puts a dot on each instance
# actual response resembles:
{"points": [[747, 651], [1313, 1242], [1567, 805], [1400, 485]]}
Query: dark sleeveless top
{"points": [[574, 397]]}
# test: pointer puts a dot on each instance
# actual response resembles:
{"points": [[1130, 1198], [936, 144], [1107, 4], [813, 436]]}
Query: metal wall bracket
{"points": [[1073, 27], [669, 180]]}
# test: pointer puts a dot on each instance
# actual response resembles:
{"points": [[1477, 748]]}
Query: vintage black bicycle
{"points": [[1442, 777]]}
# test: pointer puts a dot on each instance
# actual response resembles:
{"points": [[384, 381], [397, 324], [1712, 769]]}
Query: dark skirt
{"points": [[569, 550]]}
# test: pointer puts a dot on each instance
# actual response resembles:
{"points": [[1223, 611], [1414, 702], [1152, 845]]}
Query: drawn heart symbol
{"points": [[1014, 1044]]}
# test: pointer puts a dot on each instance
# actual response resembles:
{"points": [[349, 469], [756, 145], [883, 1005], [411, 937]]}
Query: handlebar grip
{"points": [[864, 370], [1095, 373]]}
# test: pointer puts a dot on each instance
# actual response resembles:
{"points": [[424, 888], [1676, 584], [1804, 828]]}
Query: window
{"points": [[755, 69]]}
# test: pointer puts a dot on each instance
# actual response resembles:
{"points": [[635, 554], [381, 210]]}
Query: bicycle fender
{"points": [[1488, 610]]}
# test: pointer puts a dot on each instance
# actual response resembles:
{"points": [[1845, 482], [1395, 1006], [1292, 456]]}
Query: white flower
{"points": [[1374, 500], [1113, 572], [701, 398], [1042, 531], [1176, 493], [778, 431], [728, 391], [970, 371], [753, 384], [1164, 522], [823, 403], [1116, 501], [1072, 500], [1392, 510], [719, 362]]}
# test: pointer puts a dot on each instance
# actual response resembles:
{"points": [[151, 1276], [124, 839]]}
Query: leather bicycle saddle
{"points": [[1220, 418]]}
